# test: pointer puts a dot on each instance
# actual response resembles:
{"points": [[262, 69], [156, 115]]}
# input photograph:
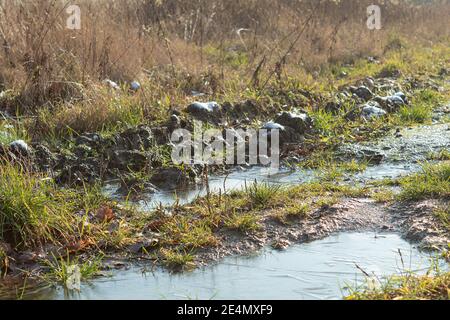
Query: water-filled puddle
{"points": [[317, 270], [238, 180]]}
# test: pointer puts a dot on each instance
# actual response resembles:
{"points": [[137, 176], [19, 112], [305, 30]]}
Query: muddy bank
{"points": [[137, 157], [321, 269], [140, 156], [406, 146], [414, 221]]}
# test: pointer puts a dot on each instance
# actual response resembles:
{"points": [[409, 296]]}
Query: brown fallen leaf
{"points": [[80, 245], [105, 214]]}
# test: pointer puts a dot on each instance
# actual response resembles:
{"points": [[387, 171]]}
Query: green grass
{"points": [[297, 210], [3, 262], [33, 210], [408, 287], [189, 233], [292, 211], [432, 182], [61, 269], [354, 166], [443, 214], [327, 201], [417, 113], [244, 222], [442, 155], [10, 132], [261, 194], [421, 108], [36, 211], [177, 260], [383, 195], [331, 173]]}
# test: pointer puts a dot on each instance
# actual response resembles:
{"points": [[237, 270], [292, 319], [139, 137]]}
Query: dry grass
{"points": [[46, 64]]}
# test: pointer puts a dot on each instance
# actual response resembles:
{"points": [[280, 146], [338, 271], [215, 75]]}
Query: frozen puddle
{"points": [[317, 270]]}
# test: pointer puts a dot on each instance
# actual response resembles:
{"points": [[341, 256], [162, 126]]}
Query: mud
{"points": [[92, 158], [414, 221], [407, 146]]}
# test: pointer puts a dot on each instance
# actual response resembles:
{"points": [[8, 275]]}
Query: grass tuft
{"points": [[245, 222], [60, 270], [261, 194], [176, 260], [408, 287], [432, 182]]}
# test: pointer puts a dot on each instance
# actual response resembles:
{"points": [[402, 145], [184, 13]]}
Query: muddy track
{"points": [[414, 221]]}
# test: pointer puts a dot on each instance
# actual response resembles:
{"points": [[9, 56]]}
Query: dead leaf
{"points": [[105, 214], [80, 245]]}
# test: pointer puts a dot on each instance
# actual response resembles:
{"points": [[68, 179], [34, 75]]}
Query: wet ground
{"points": [[331, 247], [403, 154], [318, 270]]}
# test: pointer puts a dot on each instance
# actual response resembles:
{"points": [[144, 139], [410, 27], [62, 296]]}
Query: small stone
{"points": [[135, 86], [19, 148], [111, 84], [370, 111], [363, 92], [300, 122]]}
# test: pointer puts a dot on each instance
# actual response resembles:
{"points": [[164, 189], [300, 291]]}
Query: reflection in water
{"points": [[317, 270], [237, 180]]}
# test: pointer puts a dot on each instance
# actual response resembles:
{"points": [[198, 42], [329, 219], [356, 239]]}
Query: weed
{"points": [[354, 166], [61, 269], [10, 132], [443, 214], [442, 155], [188, 233], [244, 222], [261, 194], [383, 195], [32, 208], [331, 173], [421, 107], [408, 287], [432, 182], [177, 260], [298, 210]]}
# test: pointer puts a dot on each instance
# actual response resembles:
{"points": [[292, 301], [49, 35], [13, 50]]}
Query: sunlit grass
{"points": [[408, 287], [176, 260], [244, 222], [383, 195], [432, 182], [443, 214], [442, 155], [61, 269], [421, 108], [260, 194]]}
